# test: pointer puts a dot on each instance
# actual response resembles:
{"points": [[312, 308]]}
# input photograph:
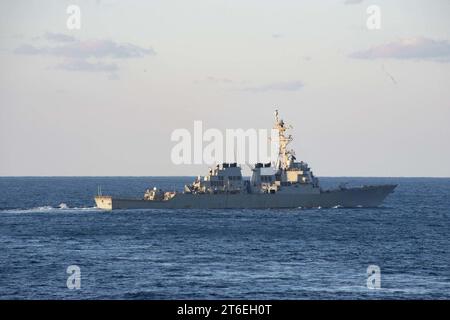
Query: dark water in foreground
{"points": [[218, 254]]}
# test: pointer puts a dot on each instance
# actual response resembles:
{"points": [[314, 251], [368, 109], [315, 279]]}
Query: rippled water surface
{"points": [[47, 224]]}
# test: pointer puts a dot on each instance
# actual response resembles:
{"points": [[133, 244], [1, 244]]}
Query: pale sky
{"points": [[103, 100]]}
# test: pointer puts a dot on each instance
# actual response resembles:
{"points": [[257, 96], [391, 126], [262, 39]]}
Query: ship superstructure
{"points": [[285, 175]]}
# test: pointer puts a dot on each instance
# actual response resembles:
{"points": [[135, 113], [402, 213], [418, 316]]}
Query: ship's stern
{"points": [[104, 202]]}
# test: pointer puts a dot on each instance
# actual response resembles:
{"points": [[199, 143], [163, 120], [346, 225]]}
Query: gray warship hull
{"points": [[365, 196]]}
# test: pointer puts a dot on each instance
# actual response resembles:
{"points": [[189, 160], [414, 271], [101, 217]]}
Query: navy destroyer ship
{"points": [[285, 183]]}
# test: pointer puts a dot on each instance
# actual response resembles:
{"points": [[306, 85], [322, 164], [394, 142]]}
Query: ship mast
{"points": [[284, 155]]}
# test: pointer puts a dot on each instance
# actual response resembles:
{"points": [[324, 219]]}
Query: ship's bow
{"points": [[103, 202]]}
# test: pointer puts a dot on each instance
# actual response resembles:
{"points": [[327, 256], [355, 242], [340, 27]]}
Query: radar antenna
{"points": [[284, 155]]}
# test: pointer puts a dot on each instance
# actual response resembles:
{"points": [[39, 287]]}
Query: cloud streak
{"points": [[218, 80], [83, 65], [88, 49], [59, 37], [353, 1], [417, 48], [277, 86], [78, 55]]}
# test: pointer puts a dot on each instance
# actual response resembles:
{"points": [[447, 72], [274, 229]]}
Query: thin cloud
{"points": [[277, 86], [84, 55], [59, 37], [353, 1], [83, 65], [88, 49], [218, 80], [418, 48], [27, 49]]}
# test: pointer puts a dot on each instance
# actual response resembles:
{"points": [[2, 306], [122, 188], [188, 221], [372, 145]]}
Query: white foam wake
{"points": [[62, 207]]}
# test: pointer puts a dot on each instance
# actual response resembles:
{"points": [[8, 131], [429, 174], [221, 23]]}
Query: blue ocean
{"points": [[50, 223]]}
